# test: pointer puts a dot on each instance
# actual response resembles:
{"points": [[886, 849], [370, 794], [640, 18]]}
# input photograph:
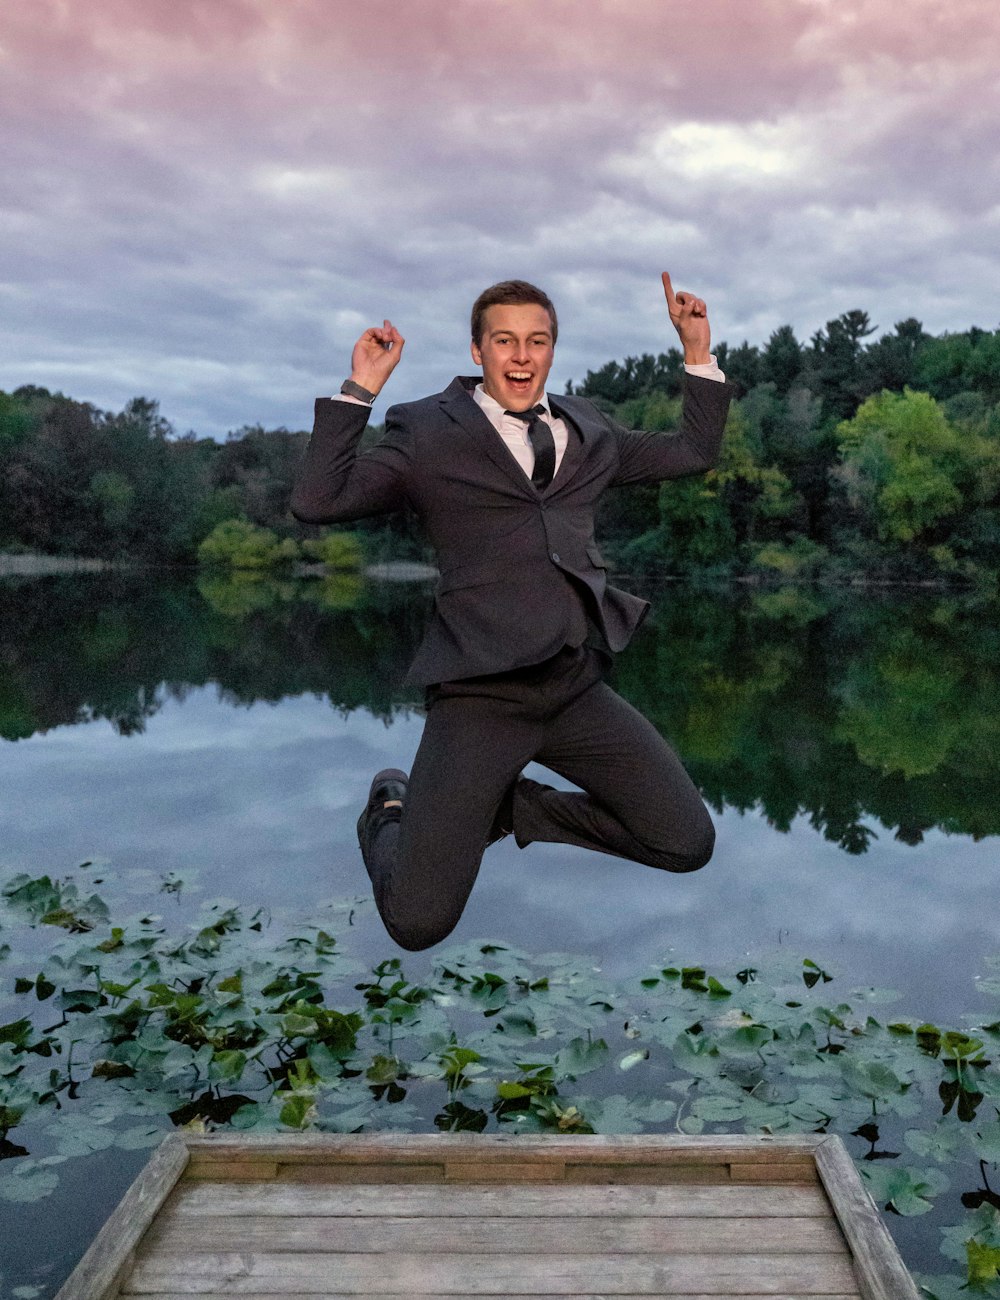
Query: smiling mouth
{"points": [[517, 378]]}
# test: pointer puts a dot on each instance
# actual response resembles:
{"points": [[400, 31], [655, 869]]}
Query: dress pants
{"points": [[639, 803]]}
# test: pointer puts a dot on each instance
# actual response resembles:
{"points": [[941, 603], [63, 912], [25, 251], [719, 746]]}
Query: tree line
{"points": [[77, 480], [843, 454]]}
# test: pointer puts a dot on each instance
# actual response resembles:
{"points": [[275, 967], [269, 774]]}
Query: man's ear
{"points": [[477, 356]]}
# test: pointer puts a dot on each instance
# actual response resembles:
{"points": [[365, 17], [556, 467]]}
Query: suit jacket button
{"points": [[555, 557]]}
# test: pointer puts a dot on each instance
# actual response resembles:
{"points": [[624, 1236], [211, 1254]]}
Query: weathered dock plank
{"points": [[472, 1275], [880, 1271], [419, 1148], [706, 1201], [99, 1273], [589, 1295], [576, 1235]]}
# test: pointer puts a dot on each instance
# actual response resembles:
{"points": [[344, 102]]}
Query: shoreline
{"points": [[31, 565]]}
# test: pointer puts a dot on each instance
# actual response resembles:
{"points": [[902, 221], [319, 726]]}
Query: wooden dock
{"points": [[398, 1216]]}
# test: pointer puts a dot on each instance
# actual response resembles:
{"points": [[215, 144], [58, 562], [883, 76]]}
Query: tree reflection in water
{"points": [[842, 704]]}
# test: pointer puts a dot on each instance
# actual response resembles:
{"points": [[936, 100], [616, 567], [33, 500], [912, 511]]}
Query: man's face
{"points": [[516, 354]]}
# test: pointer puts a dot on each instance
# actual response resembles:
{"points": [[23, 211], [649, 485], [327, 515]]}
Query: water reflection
{"points": [[77, 650], [844, 707], [839, 705]]}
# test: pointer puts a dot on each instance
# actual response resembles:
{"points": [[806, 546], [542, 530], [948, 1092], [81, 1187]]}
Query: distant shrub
{"points": [[238, 544], [336, 550]]}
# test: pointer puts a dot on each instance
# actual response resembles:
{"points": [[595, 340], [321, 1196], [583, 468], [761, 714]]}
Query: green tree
{"points": [[892, 361], [758, 497], [741, 365], [17, 422], [783, 360], [261, 464], [112, 497], [901, 460], [983, 368], [616, 381], [942, 365], [833, 361]]}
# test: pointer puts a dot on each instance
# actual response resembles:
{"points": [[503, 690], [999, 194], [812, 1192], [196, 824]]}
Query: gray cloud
{"points": [[207, 203]]}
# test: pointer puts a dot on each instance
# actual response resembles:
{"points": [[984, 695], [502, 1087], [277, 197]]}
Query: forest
{"points": [[845, 456]]}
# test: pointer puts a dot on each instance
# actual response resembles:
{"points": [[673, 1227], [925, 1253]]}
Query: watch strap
{"points": [[350, 389]]}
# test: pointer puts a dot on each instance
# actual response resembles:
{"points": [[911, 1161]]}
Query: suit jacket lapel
{"points": [[582, 426], [462, 408]]}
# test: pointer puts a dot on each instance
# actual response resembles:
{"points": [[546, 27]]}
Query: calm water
{"points": [[226, 731], [847, 742]]}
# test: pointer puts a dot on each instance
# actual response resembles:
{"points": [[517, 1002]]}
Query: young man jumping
{"points": [[506, 479]]}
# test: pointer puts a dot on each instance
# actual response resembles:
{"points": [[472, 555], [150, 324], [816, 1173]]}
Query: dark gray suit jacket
{"points": [[515, 562]]}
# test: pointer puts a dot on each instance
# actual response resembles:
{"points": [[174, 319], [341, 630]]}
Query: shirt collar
{"points": [[492, 409]]}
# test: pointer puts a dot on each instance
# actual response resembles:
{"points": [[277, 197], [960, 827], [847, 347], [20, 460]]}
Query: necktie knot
{"points": [[532, 413], [542, 442]]}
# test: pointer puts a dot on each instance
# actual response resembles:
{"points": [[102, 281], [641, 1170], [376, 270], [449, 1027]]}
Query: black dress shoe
{"points": [[388, 787]]}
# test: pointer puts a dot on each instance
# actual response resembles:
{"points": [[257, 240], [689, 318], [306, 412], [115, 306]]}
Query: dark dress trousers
{"points": [[509, 658]]}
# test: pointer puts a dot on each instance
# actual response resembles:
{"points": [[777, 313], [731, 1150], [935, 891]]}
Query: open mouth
{"points": [[519, 380]]}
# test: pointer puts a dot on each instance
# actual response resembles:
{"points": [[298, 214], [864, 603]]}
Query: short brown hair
{"points": [[509, 293]]}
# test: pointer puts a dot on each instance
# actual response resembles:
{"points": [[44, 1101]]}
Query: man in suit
{"points": [[506, 479]]}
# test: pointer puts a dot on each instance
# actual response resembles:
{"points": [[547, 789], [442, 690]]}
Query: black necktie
{"points": [[540, 437]]}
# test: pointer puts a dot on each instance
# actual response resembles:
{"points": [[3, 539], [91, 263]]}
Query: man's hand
{"points": [[689, 316], [376, 355]]}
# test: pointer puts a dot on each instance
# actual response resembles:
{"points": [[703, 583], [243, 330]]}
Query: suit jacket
{"points": [[515, 562]]}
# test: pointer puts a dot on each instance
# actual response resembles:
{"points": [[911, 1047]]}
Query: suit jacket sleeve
{"points": [[692, 449], [334, 482]]}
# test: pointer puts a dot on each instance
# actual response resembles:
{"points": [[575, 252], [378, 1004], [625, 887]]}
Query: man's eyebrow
{"points": [[532, 334]]}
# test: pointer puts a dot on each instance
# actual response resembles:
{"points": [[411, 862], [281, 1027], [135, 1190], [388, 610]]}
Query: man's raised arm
{"points": [[694, 447], [334, 483]]}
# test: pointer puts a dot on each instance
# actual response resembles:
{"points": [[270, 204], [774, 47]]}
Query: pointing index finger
{"points": [[668, 289]]}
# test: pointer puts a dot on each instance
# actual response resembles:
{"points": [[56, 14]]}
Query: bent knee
{"points": [[690, 854], [415, 936], [415, 941]]}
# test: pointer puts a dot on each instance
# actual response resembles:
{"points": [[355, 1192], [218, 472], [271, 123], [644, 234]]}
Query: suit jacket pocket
{"points": [[476, 573]]}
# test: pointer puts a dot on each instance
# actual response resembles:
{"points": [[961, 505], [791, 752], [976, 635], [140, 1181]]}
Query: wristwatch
{"points": [[350, 389]]}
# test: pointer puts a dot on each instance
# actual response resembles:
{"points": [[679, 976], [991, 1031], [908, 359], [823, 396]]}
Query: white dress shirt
{"points": [[514, 432]]}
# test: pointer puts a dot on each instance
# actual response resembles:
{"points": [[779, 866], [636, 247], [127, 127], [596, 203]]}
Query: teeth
{"points": [[516, 374]]}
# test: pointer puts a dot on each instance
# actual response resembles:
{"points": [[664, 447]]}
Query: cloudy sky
{"points": [[206, 201]]}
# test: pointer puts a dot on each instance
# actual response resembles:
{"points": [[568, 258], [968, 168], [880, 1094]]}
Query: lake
{"points": [[194, 738]]}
